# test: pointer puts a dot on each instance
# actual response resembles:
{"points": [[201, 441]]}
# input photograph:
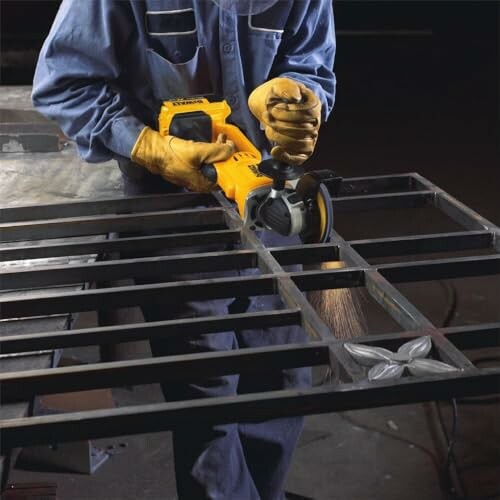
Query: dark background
{"points": [[418, 89]]}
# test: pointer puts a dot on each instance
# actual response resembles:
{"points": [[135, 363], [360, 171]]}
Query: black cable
{"points": [[453, 435], [450, 438], [452, 303]]}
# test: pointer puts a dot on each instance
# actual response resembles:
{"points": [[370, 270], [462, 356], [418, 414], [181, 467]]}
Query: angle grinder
{"points": [[269, 194]]}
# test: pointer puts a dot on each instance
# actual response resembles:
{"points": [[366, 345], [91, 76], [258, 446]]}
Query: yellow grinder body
{"points": [[237, 176]]}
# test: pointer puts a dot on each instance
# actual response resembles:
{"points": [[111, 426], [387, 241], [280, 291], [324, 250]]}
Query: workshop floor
{"points": [[443, 127]]}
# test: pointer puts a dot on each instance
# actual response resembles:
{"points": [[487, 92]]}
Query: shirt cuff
{"points": [[124, 134]]}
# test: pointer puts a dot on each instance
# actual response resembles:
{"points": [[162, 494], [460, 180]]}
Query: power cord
{"points": [[450, 437], [451, 459]]}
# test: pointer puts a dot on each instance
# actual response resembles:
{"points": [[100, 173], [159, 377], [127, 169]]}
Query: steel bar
{"points": [[344, 277], [242, 408], [455, 209], [21, 386], [395, 304], [413, 199], [428, 243], [188, 327], [125, 296], [346, 253], [380, 184], [148, 267], [135, 244], [474, 336], [310, 254], [460, 267], [103, 224], [131, 204], [460, 213]]}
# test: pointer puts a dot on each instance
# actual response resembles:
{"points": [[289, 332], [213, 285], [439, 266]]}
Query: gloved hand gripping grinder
{"points": [[269, 194]]}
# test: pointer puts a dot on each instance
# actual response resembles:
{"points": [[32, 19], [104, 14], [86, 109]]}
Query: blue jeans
{"points": [[231, 461]]}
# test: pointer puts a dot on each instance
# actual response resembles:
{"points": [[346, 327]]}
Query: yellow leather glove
{"points": [[177, 160], [291, 115]]}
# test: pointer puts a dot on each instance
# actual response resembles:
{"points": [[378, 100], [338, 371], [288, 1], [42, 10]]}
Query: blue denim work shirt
{"points": [[106, 65]]}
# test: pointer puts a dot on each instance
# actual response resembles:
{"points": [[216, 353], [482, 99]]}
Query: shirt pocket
{"points": [[185, 79], [173, 34], [270, 23]]}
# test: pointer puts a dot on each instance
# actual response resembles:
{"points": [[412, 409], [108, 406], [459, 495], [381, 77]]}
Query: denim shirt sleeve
{"points": [[307, 52], [74, 78]]}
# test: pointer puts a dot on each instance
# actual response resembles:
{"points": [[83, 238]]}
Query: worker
{"points": [[102, 73]]}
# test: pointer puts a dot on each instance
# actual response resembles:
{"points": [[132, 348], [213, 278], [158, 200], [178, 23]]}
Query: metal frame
{"points": [[220, 222]]}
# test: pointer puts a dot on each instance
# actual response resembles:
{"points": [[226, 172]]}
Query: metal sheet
{"points": [[23, 131]]}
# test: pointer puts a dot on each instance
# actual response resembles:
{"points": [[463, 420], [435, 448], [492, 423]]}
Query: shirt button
{"points": [[227, 48], [232, 100]]}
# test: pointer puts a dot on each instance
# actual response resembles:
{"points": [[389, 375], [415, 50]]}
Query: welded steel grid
{"points": [[196, 220]]}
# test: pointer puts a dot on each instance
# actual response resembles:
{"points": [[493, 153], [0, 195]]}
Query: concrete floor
{"points": [[406, 105]]}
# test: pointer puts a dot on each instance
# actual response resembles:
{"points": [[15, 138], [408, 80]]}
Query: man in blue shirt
{"points": [[102, 74]]}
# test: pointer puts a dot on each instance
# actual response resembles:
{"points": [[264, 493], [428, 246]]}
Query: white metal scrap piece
{"points": [[387, 365]]}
